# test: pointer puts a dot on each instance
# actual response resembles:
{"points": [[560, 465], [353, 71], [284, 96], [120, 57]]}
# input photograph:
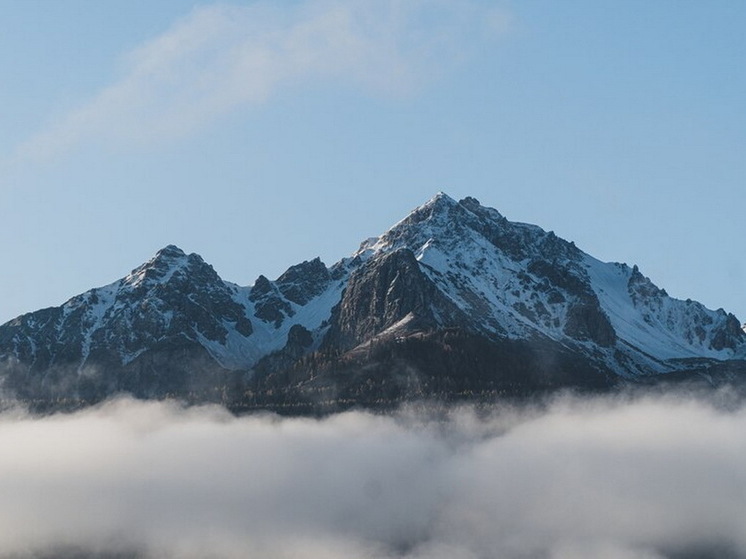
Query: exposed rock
{"points": [[586, 321], [380, 294], [730, 335], [270, 304], [303, 282]]}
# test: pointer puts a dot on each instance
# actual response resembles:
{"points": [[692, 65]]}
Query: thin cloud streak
{"points": [[222, 57], [643, 479]]}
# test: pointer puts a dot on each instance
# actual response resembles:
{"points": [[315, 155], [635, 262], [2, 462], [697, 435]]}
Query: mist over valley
{"points": [[633, 477]]}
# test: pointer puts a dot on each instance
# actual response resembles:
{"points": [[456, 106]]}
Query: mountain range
{"points": [[454, 301]]}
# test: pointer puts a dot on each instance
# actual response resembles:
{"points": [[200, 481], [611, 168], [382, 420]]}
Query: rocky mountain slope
{"points": [[452, 301]]}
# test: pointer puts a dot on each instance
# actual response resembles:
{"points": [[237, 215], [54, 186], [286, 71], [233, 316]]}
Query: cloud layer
{"points": [[224, 56], [650, 478]]}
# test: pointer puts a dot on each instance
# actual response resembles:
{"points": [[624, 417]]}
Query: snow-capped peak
{"points": [[161, 267], [440, 198], [170, 251], [439, 203], [515, 278], [429, 218]]}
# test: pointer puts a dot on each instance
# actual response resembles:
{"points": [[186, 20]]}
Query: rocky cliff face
{"points": [[450, 276], [388, 294]]}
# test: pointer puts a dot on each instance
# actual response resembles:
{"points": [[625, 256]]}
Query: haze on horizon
{"points": [[261, 134]]}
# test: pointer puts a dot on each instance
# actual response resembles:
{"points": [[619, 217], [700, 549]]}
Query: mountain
{"points": [[453, 301]]}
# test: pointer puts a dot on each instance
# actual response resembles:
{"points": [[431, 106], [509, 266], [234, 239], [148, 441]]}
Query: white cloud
{"points": [[224, 56], [646, 479]]}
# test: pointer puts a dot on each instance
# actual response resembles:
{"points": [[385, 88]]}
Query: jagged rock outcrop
{"points": [[270, 305], [303, 282], [386, 292], [586, 321]]}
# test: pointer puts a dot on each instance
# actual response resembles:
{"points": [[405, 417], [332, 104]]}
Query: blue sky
{"points": [[261, 134]]}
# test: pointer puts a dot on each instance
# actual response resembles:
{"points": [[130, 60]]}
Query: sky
{"points": [[260, 134], [576, 479]]}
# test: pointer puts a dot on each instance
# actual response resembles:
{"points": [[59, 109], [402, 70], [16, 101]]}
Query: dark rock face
{"points": [[730, 335], [299, 341], [586, 321], [303, 282], [383, 292], [298, 284], [560, 277], [641, 288], [299, 337], [270, 305]]}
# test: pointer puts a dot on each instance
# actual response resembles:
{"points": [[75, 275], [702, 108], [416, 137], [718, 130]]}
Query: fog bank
{"points": [[640, 478]]}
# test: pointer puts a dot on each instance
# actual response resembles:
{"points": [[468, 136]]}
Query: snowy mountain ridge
{"points": [[477, 256], [447, 265]]}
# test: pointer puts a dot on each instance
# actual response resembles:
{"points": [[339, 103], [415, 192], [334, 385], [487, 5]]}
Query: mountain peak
{"points": [[161, 267], [170, 251], [442, 205], [433, 219], [436, 208], [441, 195], [440, 200]]}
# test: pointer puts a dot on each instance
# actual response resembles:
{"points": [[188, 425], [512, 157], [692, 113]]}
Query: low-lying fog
{"points": [[644, 477]]}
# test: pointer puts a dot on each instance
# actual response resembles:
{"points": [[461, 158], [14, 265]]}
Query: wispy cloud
{"points": [[221, 57], [647, 479]]}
